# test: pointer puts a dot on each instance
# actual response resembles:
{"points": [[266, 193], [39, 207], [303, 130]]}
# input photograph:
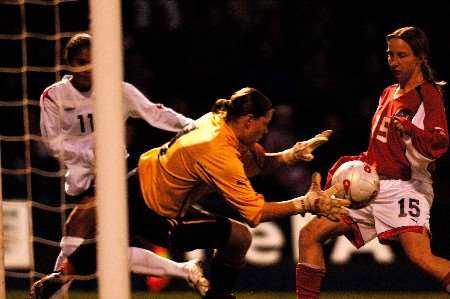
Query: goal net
{"points": [[33, 34]]}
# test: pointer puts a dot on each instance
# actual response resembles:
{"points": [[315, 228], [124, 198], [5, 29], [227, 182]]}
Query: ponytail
{"points": [[221, 105], [418, 42], [244, 101]]}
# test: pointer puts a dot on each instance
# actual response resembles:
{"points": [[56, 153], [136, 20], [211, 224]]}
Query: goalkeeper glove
{"points": [[322, 202], [302, 151]]}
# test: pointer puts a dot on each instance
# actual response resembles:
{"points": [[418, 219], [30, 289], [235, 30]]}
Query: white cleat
{"points": [[196, 278]]}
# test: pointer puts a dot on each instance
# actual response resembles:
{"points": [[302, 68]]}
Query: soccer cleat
{"points": [[196, 279], [211, 295], [51, 286], [446, 283]]}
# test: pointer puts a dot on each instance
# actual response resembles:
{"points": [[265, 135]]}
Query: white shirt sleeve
{"points": [[157, 115]]}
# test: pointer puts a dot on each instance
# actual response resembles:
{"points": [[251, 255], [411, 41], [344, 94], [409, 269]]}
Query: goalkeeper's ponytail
{"points": [[221, 105], [244, 101]]}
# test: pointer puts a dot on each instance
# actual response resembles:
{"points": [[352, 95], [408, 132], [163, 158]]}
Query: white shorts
{"points": [[400, 206]]}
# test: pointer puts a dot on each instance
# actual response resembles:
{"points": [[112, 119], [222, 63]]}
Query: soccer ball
{"points": [[360, 180]]}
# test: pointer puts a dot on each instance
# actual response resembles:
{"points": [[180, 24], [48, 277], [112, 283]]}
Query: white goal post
{"points": [[112, 258], [2, 251], [32, 187]]}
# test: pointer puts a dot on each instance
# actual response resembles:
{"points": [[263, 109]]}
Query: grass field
{"points": [[290, 295]]}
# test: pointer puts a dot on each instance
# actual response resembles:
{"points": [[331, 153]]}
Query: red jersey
{"points": [[409, 155]]}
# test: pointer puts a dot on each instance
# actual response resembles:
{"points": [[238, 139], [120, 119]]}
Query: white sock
{"points": [[68, 246], [59, 261], [143, 261]]}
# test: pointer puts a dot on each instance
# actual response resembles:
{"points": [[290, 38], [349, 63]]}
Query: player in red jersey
{"points": [[409, 132]]}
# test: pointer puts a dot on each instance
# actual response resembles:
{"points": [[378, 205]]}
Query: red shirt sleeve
{"points": [[431, 141]]}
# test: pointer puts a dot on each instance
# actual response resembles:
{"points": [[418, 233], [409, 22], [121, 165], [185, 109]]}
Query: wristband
{"points": [[300, 205]]}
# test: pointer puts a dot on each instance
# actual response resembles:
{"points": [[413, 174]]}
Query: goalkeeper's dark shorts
{"points": [[196, 230]]}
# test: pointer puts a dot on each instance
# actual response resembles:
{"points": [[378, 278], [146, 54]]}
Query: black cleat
{"points": [[48, 287], [211, 295]]}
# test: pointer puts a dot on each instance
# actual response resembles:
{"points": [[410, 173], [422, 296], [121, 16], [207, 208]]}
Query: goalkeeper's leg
{"points": [[230, 238]]}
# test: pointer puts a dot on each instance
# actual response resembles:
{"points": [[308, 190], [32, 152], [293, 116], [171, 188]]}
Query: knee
{"points": [[240, 238], [307, 236]]}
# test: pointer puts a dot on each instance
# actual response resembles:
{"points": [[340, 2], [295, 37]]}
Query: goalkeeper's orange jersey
{"points": [[206, 159]]}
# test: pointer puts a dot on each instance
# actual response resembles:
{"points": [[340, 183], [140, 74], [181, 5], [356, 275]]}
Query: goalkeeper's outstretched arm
{"points": [[302, 150], [316, 201], [256, 160]]}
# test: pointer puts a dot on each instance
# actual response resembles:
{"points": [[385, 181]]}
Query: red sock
{"points": [[67, 268], [308, 281], [446, 283]]}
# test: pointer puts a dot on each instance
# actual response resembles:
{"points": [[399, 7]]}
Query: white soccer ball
{"points": [[360, 180]]}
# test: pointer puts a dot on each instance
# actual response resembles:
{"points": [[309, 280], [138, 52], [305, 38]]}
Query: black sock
{"points": [[84, 259], [223, 277]]}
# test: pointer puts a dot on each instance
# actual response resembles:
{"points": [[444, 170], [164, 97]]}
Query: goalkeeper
{"points": [[220, 155]]}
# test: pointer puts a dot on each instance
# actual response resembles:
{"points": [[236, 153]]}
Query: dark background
{"points": [[322, 63]]}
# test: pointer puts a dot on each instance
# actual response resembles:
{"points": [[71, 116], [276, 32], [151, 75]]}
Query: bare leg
{"points": [[313, 235], [81, 221], [311, 266], [80, 225], [417, 248]]}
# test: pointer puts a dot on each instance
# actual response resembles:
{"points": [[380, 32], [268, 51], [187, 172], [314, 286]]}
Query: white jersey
{"points": [[67, 124]]}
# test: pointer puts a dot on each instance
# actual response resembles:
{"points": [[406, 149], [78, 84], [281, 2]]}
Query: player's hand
{"points": [[186, 129], [323, 202], [400, 124], [302, 151]]}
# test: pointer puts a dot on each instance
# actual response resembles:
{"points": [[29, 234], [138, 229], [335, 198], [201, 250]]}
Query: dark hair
{"points": [[418, 42], [75, 45], [244, 101]]}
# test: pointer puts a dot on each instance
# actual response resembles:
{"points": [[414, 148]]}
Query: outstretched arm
{"points": [[257, 161], [316, 201], [302, 150], [157, 115]]}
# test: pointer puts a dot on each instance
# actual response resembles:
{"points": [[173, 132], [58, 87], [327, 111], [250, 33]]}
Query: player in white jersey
{"points": [[67, 109], [409, 132], [67, 112]]}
